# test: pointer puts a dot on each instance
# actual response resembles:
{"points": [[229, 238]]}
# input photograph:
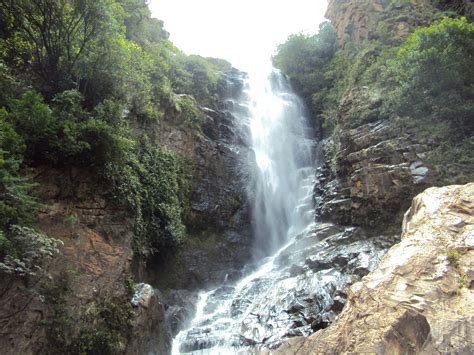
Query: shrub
{"points": [[155, 183], [434, 75], [27, 250], [304, 58]]}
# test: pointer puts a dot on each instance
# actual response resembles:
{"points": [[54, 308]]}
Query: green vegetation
{"points": [[426, 84], [306, 59], [87, 83], [432, 86], [155, 183], [103, 327], [453, 257]]}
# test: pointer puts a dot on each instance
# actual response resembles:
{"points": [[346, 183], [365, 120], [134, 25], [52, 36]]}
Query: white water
{"points": [[232, 317], [282, 147]]}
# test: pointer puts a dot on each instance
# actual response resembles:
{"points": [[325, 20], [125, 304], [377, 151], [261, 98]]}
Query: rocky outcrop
{"points": [[421, 297], [150, 332], [377, 165], [360, 20], [96, 264], [218, 225], [94, 260]]}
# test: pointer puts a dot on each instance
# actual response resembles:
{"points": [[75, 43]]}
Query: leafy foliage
{"points": [[27, 250], [155, 183], [102, 328], [50, 37], [305, 57], [80, 81], [426, 84], [434, 75], [198, 76]]}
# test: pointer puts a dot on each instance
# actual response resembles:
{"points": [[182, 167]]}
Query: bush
{"points": [[34, 120], [27, 250], [155, 183], [102, 328], [434, 75], [304, 58], [197, 76], [16, 204], [189, 111]]}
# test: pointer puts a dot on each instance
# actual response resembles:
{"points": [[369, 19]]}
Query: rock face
{"points": [[421, 297], [360, 20], [151, 334], [219, 225], [302, 290], [94, 260], [377, 166]]}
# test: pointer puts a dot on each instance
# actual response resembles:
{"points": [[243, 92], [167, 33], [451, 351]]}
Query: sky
{"points": [[242, 32]]}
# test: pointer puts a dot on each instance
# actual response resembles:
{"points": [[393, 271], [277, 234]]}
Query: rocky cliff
{"points": [[377, 166], [420, 299], [219, 218], [87, 296], [377, 159], [358, 21]]}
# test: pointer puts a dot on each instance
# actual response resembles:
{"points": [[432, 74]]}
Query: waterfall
{"points": [[280, 140], [303, 266]]}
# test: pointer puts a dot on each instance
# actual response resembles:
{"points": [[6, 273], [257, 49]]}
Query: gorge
{"points": [[158, 203]]}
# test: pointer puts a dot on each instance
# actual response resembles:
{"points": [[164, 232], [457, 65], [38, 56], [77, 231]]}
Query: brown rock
{"points": [[419, 299], [359, 20]]}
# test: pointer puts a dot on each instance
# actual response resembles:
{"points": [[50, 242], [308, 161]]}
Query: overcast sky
{"points": [[243, 31]]}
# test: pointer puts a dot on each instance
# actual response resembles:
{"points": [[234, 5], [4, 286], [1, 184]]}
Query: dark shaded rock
{"points": [[180, 306], [295, 308], [337, 304], [218, 225], [150, 333], [317, 265]]}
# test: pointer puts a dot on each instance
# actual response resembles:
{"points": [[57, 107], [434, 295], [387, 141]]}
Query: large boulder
{"points": [[421, 297], [150, 333]]}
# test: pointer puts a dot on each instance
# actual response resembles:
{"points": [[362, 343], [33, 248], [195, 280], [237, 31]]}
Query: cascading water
{"points": [[282, 185], [302, 265]]}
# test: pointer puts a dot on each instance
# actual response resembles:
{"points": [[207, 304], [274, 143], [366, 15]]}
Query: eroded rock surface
{"points": [[150, 333], [378, 166], [421, 297], [94, 261], [359, 20]]}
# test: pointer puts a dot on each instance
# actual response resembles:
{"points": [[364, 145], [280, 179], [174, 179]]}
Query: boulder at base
{"points": [[421, 297]]}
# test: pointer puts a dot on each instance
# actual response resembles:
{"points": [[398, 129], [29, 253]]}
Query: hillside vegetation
{"points": [[426, 83], [78, 80]]}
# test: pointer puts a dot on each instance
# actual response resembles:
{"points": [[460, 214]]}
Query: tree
{"points": [[48, 37], [303, 58], [434, 75]]}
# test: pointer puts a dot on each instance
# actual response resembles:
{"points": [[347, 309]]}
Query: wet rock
{"points": [[338, 304], [143, 295], [317, 265], [243, 341], [180, 306], [376, 171], [295, 308], [219, 226]]}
